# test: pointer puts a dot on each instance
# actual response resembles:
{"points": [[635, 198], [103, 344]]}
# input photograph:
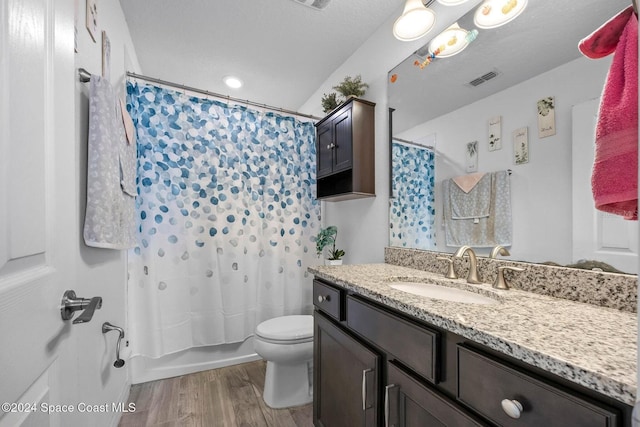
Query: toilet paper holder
{"points": [[107, 327]]}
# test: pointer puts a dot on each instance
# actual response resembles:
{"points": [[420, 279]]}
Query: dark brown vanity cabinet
{"points": [[375, 366], [345, 378], [345, 148]]}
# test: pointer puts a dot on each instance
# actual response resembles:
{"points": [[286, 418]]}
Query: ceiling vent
{"points": [[315, 4], [484, 78]]}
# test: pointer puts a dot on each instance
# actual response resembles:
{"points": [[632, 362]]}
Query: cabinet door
{"points": [[345, 378], [343, 141], [411, 403], [324, 150]]}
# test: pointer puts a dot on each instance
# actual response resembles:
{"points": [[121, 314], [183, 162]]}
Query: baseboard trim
{"points": [[144, 373]]}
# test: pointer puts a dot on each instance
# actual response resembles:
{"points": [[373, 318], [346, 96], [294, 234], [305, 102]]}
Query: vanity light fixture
{"points": [[415, 22], [450, 42], [232, 82], [452, 2], [494, 13]]}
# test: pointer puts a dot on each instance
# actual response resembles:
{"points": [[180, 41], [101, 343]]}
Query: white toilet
{"points": [[286, 343]]}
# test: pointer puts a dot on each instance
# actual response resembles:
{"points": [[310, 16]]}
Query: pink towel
{"points": [[467, 182], [614, 180]]}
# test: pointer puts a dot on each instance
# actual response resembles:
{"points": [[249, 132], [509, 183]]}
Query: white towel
{"points": [[468, 227], [110, 215]]}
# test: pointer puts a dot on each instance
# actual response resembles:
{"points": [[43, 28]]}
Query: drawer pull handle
{"points": [[324, 298], [364, 388], [387, 408], [512, 408]]}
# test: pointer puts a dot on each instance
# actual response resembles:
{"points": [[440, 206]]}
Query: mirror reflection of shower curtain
{"points": [[227, 213], [412, 211]]}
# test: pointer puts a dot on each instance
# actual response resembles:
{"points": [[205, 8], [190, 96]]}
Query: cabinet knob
{"points": [[329, 147], [322, 298], [512, 408]]}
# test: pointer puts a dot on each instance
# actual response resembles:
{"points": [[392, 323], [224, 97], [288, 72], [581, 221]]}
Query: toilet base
{"points": [[288, 384]]}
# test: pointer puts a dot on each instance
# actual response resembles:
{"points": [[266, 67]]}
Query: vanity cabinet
{"points": [[345, 378], [375, 366], [345, 147]]}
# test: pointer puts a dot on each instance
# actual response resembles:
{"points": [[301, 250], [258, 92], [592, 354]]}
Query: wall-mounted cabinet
{"points": [[345, 147]]}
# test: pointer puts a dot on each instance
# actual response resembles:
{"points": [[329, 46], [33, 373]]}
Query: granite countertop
{"points": [[589, 345]]}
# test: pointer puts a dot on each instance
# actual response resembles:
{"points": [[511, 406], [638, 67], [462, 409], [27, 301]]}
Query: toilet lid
{"points": [[286, 328]]}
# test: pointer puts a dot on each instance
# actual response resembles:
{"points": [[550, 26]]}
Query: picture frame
{"points": [[546, 117], [92, 19], [495, 133], [521, 146], [471, 156]]}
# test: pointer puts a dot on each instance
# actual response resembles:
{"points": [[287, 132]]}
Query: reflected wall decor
{"points": [[546, 117], [412, 212]]}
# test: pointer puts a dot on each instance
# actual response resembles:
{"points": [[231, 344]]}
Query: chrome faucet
{"points": [[472, 277], [499, 250]]}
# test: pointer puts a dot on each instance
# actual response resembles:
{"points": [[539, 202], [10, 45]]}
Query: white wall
{"points": [[541, 189], [363, 224], [100, 272]]}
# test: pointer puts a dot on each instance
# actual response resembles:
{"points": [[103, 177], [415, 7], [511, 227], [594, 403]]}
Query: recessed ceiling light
{"points": [[232, 82]]}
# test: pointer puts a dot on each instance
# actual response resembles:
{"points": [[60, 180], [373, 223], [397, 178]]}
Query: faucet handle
{"points": [[499, 250], [501, 282], [451, 273]]}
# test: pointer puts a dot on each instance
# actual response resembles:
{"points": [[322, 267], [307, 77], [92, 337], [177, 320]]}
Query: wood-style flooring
{"points": [[225, 397]]}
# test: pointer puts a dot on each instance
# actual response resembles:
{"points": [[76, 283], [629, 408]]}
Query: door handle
{"points": [[70, 304], [387, 404], [364, 388]]}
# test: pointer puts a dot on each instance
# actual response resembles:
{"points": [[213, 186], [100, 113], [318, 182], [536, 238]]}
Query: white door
{"points": [[596, 235], [37, 210]]}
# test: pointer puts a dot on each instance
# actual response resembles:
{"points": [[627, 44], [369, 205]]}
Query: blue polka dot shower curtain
{"points": [[411, 211], [227, 215]]}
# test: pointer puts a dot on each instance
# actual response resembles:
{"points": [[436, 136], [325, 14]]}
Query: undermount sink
{"points": [[440, 292]]}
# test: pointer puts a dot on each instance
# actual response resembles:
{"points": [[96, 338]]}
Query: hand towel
{"points": [[473, 204], [110, 213], [467, 182], [494, 229], [614, 179]]}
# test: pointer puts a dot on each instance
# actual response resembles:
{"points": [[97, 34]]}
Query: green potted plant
{"points": [[327, 237], [351, 87], [329, 101], [347, 88]]}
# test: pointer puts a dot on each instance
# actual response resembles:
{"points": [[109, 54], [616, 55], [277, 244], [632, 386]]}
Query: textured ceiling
{"points": [[282, 50]]}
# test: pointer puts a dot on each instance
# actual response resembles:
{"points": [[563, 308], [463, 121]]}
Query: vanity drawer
{"points": [[412, 345], [483, 383], [328, 299]]}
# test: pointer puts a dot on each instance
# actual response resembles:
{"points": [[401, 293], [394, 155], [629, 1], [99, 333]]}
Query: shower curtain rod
{"points": [[218, 95], [413, 143]]}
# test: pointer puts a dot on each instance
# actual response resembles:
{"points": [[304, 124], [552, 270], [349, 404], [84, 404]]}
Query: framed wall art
{"points": [[521, 146], [546, 117]]}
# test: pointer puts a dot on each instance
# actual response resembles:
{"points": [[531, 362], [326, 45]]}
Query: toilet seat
{"points": [[286, 329]]}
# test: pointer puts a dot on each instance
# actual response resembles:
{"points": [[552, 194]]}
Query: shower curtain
{"points": [[411, 210], [227, 217]]}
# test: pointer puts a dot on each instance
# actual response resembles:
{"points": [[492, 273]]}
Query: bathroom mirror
{"points": [[502, 75]]}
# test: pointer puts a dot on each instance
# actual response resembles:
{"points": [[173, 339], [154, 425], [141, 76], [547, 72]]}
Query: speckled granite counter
{"points": [[586, 344]]}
